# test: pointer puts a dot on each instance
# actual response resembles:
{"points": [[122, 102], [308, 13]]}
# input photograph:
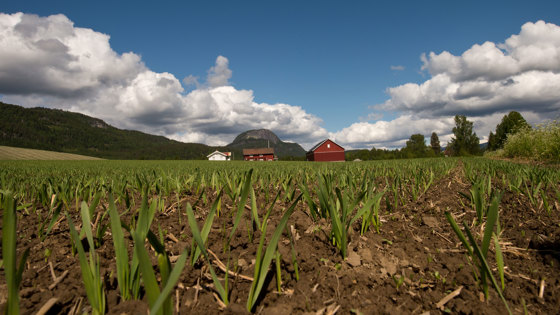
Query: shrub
{"points": [[541, 143]]}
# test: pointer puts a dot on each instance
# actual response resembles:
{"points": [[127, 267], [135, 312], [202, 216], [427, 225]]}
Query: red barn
{"points": [[326, 151], [263, 154]]}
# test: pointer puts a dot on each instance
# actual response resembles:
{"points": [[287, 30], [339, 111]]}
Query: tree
{"points": [[491, 142], [465, 141], [416, 146], [434, 143], [511, 123]]}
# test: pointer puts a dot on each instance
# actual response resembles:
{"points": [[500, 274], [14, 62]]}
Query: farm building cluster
{"points": [[324, 151]]}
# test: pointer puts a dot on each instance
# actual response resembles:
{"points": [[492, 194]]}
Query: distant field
{"points": [[11, 153]]}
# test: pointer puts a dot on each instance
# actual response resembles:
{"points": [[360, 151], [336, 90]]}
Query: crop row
{"points": [[129, 194]]}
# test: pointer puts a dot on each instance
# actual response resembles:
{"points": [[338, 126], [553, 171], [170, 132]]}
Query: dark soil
{"points": [[415, 242]]}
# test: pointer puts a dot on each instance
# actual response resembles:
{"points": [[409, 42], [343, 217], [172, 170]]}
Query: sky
{"points": [[363, 73]]}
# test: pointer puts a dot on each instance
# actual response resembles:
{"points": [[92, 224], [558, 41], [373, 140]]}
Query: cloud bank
{"points": [[47, 61], [484, 83]]}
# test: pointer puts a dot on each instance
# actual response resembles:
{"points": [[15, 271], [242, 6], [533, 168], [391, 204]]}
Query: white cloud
{"points": [[391, 134], [50, 56], [47, 61], [219, 74], [484, 83], [191, 80]]}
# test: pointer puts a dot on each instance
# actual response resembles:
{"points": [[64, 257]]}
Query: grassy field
{"points": [[445, 235], [11, 153]]}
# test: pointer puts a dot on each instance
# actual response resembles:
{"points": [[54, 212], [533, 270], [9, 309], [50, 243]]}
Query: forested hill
{"points": [[62, 131]]}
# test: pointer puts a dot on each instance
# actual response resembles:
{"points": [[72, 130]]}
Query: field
{"points": [[12, 153], [446, 235]]}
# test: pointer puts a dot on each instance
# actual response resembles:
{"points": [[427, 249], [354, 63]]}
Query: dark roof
{"points": [[258, 151], [315, 147]]}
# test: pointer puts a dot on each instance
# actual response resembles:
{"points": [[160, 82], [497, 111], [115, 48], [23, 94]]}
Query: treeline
{"points": [[512, 138]]}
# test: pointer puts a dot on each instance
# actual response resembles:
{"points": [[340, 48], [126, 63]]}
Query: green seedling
{"points": [[398, 281], [293, 252], [480, 252], [12, 270], [90, 268], [125, 277], [47, 253], [240, 206], [263, 260], [340, 210], [278, 260], [371, 215], [159, 301], [195, 254], [54, 218], [222, 290]]}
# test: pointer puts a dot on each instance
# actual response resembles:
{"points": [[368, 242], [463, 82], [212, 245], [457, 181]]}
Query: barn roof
{"points": [[315, 147], [258, 151]]}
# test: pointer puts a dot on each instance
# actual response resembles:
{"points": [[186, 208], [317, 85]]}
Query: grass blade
{"points": [[90, 271], [196, 235], [9, 244], [485, 266], [170, 284], [121, 254], [491, 219], [206, 228], [460, 234], [146, 269], [241, 204], [254, 209], [499, 261], [262, 265]]}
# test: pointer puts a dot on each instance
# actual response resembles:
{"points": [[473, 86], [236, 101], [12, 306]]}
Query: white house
{"points": [[219, 156]]}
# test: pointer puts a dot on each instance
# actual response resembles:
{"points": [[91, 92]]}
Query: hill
{"points": [[62, 131], [261, 138], [11, 153]]}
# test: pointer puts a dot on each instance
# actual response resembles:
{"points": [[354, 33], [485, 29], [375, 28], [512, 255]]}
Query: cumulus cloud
{"points": [[50, 56], [392, 134], [484, 83], [524, 71], [191, 80], [47, 61], [219, 74]]}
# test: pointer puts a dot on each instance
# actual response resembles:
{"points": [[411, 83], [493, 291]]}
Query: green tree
{"points": [[491, 142], [465, 142], [434, 143], [416, 146], [511, 124]]}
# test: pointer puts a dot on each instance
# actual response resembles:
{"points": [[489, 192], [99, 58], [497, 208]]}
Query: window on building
{"points": [[328, 145]]}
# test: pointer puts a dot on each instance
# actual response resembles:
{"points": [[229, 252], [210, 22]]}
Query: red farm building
{"points": [[262, 154], [326, 151]]}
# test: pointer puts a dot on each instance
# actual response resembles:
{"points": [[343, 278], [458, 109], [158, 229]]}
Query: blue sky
{"points": [[334, 60]]}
